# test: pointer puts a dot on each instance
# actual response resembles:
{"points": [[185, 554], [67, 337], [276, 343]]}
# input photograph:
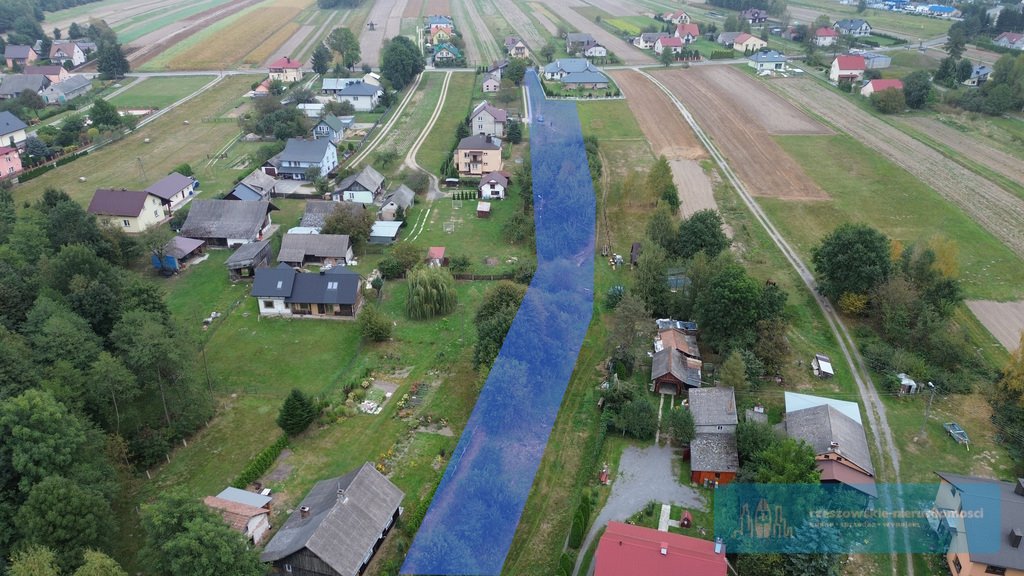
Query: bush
{"points": [[614, 296], [390, 268], [260, 463], [373, 324], [523, 273], [576, 532]]}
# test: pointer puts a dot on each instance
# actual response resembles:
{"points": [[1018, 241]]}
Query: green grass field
{"points": [[866, 187], [633, 25], [159, 92], [915, 27], [137, 27], [410, 124], [132, 163], [609, 118], [442, 137]]}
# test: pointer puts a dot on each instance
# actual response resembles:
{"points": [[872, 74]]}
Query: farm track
{"points": [[386, 15], [545, 20], [379, 137], [521, 23], [759, 160], [992, 207], [481, 47], [627, 52], [972, 148], [889, 468]]}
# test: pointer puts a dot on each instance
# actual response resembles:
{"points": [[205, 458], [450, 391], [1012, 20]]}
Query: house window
{"points": [[126, 223], [288, 568], [156, 213], [995, 570], [332, 285], [956, 564], [268, 303]]}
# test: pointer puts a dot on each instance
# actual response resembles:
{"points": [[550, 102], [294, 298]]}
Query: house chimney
{"points": [[342, 497], [833, 446], [1019, 488], [304, 511], [664, 548], [1015, 537]]}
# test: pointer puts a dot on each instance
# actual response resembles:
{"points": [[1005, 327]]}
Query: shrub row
{"points": [[722, 55], [40, 170], [260, 463]]}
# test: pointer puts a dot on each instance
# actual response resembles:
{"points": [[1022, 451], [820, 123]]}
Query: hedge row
{"points": [[260, 463], [40, 170]]}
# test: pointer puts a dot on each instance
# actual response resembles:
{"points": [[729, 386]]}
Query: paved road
{"points": [[873, 407], [644, 474]]}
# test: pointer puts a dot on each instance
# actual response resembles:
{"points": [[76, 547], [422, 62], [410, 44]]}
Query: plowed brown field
{"points": [[741, 115], [658, 117], [437, 7], [1005, 320]]}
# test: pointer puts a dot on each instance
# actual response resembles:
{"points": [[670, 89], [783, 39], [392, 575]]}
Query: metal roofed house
{"points": [[334, 85], [988, 541], [585, 80], [333, 127], [299, 156], [488, 120], [311, 109], [174, 189], [363, 96], [839, 443], [876, 61], [226, 222], [13, 85], [767, 60], [402, 197], [628, 549], [12, 130], [364, 187], [244, 262], [338, 526], [490, 84], [322, 249], [754, 15], [245, 497], [796, 401], [384, 232], [560, 68], [979, 75], [672, 372], [282, 291], [253, 522], [683, 325], [130, 210], [727, 38], [318, 211]]}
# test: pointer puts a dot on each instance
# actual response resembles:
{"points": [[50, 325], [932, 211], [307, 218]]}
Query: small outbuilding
{"points": [[907, 385], [435, 257], [321, 249], [242, 265], [634, 253], [483, 209], [822, 366], [176, 254], [384, 232]]}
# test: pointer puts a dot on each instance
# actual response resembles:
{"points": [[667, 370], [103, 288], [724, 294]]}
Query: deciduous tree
{"points": [[679, 425], [65, 516], [34, 561], [733, 373], [373, 324], [352, 220], [852, 258], [99, 564], [103, 113], [917, 89], [401, 61], [703, 231]]}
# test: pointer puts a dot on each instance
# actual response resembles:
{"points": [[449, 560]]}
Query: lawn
{"points": [[915, 27], [867, 187], [132, 163], [457, 105], [159, 92], [411, 123], [609, 118]]}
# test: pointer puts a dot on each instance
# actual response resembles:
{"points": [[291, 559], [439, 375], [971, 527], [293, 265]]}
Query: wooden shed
{"points": [[483, 209]]}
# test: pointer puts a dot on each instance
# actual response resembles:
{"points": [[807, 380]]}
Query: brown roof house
{"points": [[477, 155], [252, 522], [174, 189], [338, 526], [989, 540], [837, 437], [227, 222], [19, 54], [130, 210], [713, 456]]}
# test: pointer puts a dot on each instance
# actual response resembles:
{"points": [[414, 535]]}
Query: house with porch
{"points": [[133, 211], [227, 222], [516, 48], [364, 187], [846, 67], [338, 526], [477, 155], [255, 186], [333, 127], [284, 292]]}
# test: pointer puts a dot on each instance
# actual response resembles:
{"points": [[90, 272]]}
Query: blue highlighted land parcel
{"points": [[473, 517]]}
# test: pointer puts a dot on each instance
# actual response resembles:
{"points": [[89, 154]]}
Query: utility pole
{"points": [[927, 409]]}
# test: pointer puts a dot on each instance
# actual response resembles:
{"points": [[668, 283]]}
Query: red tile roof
{"points": [[850, 62], [625, 549], [823, 32], [435, 253], [886, 84], [670, 42], [285, 62], [743, 37], [691, 29], [235, 513]]}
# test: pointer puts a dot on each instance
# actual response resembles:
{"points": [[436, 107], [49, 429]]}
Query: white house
{"points": [[847, 68], [678, 17], [647, 40], [301, 155], [492, 186], [333, 127], [363, 96], [363, 187], [825, 36], [767, 60], [596, 51], [174, 189], [12, 130], [853, 26], [668, 43], [488, 120], [563, 67], [61, 52], [491, 84], [879, 85]]}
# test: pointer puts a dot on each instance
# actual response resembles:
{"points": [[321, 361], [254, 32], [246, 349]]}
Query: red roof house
{"points": [[285, 62], [286, 70], [825, 36], [626, 549], [688, 32], [669, 43], [847, 68], [435, 256], [881, 84]]}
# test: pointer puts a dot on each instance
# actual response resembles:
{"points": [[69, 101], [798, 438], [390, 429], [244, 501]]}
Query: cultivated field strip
{"points": [[1005, 320], [522, 24], [972, 148], [481, 47], [739, 130], [386, 15], [627, 52], [992, 207]]}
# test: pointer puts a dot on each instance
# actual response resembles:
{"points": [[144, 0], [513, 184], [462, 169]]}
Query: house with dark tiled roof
{"points": [[363, 96], [516, 48], [282, 291], [227, 222], [63, 92], [853, 27], [492, 186], [646, 40], [13, 85], [364, 187], [578, 42], [770, 60], [300, 156], [12, 130], [754, 15], [19, 55], [130, 210], [488, 120], [713, 455], [174, 189]]}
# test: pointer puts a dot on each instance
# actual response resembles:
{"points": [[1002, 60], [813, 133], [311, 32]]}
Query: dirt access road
{"points": [[670, 136], [974, 149], [992, 207], [627, 52], [1005, 320], [742, 116], [386, 15]]}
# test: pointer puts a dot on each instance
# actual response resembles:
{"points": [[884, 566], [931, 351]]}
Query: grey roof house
{"points": [[713, 409], [227, 223], [713, 455], [363, 187], [243, 263], [284, 292], [402, 197], [330, 249], [175, 189], [672, 372], [839, 443], [14, 84], [255, 186], [317, 211], [299, 156], [67, 90], [338, 526], [333, 127]]}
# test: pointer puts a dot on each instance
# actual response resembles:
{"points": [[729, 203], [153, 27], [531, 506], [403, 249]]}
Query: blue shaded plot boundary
{"points": [[473, 517]]}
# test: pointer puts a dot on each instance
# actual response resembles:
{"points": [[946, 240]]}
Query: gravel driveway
{"points": [[644, 474]]}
